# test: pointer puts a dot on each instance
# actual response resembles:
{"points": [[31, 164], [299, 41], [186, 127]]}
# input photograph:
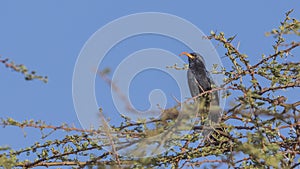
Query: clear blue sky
{"points": [[48, 36]]}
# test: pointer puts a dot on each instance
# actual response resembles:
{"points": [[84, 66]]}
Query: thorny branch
{"points": [[259, 129]]}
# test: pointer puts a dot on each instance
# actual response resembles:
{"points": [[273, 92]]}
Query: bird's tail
{"points": [[212, 121]]}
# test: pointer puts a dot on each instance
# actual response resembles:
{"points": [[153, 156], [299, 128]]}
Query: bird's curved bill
{"points": [[187, 54]]}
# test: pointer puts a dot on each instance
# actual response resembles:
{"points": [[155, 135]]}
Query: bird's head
{"points": [[195, 59]]}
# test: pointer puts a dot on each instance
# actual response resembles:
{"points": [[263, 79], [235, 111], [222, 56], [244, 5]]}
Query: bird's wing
{"points": [[193, 85], [215, 94], [204, 83]]}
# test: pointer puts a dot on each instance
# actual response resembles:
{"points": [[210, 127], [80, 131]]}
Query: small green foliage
{"points": [[23, 70], [260, 129], [7, 162]]}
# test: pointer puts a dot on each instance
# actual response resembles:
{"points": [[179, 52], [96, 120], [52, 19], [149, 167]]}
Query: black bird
{"points": [[199, 81], [198, 78]]}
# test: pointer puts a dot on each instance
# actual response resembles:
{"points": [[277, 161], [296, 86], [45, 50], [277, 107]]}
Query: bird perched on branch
{"points": [[198, 78], [201, 85]]}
